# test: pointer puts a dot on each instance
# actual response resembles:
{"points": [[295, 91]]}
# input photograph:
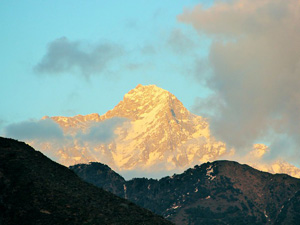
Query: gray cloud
{"points": [[179, 42], [32, 130], [255, 58], [134, 66], [148, 50], [209, 107], [65, 56], [101, 132], [48, 130]]}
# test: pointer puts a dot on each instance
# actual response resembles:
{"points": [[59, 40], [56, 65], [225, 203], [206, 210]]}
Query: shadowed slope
{"points": [[36, 190]]}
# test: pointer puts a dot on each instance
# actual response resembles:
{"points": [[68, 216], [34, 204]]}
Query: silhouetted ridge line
{"points": [[36, 190]]}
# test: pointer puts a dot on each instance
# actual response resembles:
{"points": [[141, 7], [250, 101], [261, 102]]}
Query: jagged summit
{"points": [[149, 94], [138, 103], [148, 89], [145, 101], [151, 89], [141, 87]]}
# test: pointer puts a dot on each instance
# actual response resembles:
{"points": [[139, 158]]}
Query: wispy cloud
{"points": [[34, 130], [179, 42], [1, 122], [46, 130], [101, 132], [47, 136], [77, 57], [255, 58], [148, 50]]}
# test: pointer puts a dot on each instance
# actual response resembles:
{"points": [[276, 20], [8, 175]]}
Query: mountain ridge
{"points": [[36, 190], [220, 192]]}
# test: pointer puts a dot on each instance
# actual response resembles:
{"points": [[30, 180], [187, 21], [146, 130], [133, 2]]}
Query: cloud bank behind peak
{"points": [[255, 61]]}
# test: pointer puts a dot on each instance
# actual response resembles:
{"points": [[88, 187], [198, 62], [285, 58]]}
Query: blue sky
{"points": [[140, 30], [237, 62]]}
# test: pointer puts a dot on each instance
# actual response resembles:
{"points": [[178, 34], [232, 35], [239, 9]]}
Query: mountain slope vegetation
{"points": [[36, 190], [221, 192]]}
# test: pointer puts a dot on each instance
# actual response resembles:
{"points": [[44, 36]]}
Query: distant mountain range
{"points": [[221, 192], [149, 131], [35, 190]]}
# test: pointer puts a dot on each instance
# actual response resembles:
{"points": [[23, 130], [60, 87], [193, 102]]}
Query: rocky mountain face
{"points": [[36, 190], [221, 192], [152, 131], [149, 131]]}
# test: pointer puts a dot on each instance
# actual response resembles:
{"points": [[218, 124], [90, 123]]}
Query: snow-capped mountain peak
{"points": [[159, 133], [149, 130], [143, 101]]}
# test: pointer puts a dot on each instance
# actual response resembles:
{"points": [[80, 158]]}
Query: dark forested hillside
{"points": [[36, 190], [221, 192]]}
